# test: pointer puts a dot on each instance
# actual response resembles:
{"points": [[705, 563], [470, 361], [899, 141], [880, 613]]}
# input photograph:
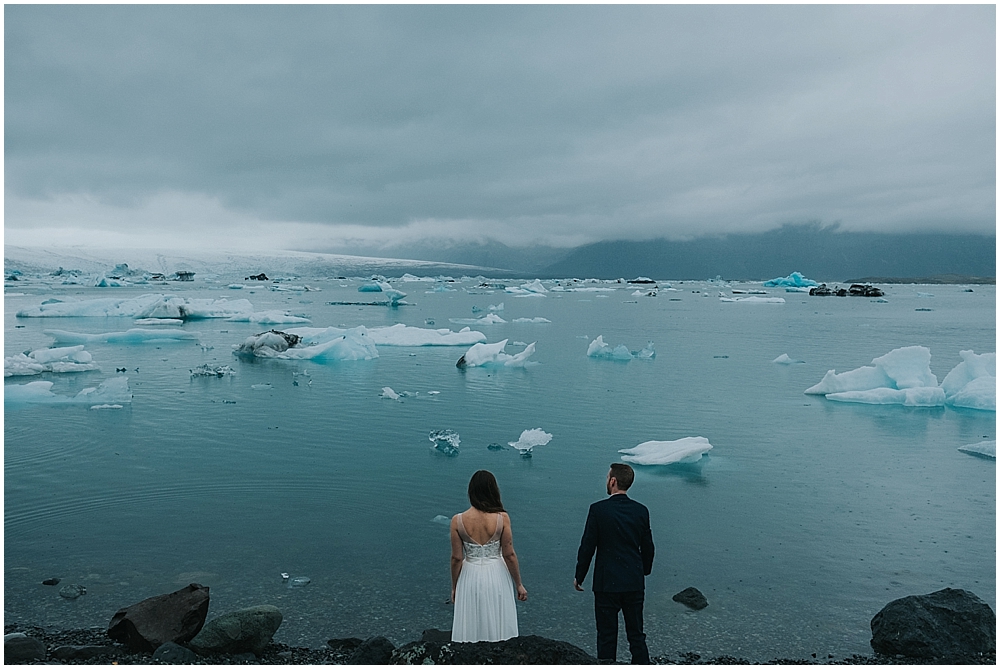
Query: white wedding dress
{"points": [[484, 594]]}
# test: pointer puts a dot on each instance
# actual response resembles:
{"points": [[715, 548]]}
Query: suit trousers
{"points": [[606, 608]]}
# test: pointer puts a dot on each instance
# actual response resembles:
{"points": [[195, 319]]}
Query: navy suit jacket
{"points": [[618, 529]]}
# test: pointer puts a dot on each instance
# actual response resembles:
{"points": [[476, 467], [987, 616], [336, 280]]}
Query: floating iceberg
{"points": [[986, 449], [488, 319], [754, 300], [389, 394], [496, 307], [493, 355], [537, 319], [972, 383], [783, 359], [910, 397], [686, 450], [132, 336], [534, 287], [445, 441], [56, 360], [441, 520], [159, 321], [794, 280], [599, 349], [353, 344], [112, 391], [144, 306], [396, 335], [274, 317], [392, 296], [648, 352], [213, 370], [901, 368], [529, 439]]}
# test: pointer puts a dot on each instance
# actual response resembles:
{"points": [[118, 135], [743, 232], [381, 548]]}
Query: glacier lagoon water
{"points": [[802, 522]]}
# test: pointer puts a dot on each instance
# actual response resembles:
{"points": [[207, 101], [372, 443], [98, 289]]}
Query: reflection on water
{"points": [[805, 519]]}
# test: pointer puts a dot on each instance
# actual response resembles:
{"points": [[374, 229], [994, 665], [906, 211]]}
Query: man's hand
{"points": [[577, 585]]}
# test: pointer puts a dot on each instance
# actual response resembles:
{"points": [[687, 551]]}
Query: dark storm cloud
{"points": [[555, 124]]}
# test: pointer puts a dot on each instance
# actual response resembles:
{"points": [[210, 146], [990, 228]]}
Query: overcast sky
{"points": [[319, 127]]}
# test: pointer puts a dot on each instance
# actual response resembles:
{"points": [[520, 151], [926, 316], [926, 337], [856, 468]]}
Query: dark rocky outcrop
{"points": [[20, 649], [347, 645], [174, 653], [519, 650], [69, 653], [946, 624], [691, 598], [245, 630], [51, 581], [376, 650], [177, 616]]}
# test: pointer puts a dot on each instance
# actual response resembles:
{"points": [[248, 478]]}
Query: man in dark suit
{"points": [[618, 529]]}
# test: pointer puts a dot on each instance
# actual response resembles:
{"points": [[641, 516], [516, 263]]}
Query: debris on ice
{"points": [[794, 279], [353, 344], [493, 355], [529, 439], [112, 391], [445, 441], [986, 449], [783, 359], [131, 336], [273, 317], [686, 450], [56, 360], [213, 370]]}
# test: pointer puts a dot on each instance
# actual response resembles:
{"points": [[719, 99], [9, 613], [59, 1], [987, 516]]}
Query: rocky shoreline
{"points": [[91, 646]]}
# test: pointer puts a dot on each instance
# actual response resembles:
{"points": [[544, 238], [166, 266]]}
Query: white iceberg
{"points": [[783, 359], [599, 349], [493, 355], [794, 279], [534, 287], [648, 352], [910, 397], [112, 391], [213, 370], [131, 336], [353, 344], [56, 360], [273, 317], [159, 321], [488, 319], [389, 394], [496, 307], [529, 439], [396, 335], [537, 319], [686, 450], [986, 449], [901, 368], [144, 306], [754, 300], [445, 441], [972, 383]]}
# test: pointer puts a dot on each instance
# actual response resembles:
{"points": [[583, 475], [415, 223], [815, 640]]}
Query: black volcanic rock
{"points": [[942, 625]]}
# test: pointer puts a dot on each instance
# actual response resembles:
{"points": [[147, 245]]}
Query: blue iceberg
{"points": [[794, 279]]}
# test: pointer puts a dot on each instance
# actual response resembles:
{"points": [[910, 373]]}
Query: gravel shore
{"points": [[277, 653]]}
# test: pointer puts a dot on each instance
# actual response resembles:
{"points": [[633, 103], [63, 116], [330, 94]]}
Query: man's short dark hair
{"points": [[623, 474]]}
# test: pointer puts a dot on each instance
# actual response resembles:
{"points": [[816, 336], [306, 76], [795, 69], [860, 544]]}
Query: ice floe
{"points": [[783, 359], [753, 299], [686, 450], [131, 336], [445, 441], [985, 449], [529, 439], [794, 279], [907, 367], [493, 355], [488, 319], [602, 350], [144, 306], [159, 321], [396, 335], [353, 344], [56, 360], [537, 319], [389, 394], [273, 317], [911, 397], [213, 370], [112, 391], [972, 383]]}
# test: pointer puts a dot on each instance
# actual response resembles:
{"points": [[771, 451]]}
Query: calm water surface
{"points": [[807, 517]]}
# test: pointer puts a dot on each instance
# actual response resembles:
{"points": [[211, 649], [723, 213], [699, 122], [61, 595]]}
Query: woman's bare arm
{"points": [[456, 556], [510, 557]]}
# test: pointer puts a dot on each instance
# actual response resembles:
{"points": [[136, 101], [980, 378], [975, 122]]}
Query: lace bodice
{"points": [[476, 552]]}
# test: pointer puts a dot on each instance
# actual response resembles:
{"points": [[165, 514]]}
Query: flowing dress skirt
{"points": [[484, 601]]}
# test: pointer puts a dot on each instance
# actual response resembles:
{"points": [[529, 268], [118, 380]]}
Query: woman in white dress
{"points": [[484, 570]]}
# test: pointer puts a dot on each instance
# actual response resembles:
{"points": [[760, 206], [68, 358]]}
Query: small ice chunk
{"points": [[754, 300], [647, 353], [441, 520], [488, 319], [537, 319], [599, 349], [686, 450], [111, 391], [273, 317], [529, 439], [783, 359], [986, 449], [262, 386], [56, 360], [107, 406], [389, 394], [299, 582], [213, 370], [496, 307], [534, 287], [445, 441], [433, 392]]}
